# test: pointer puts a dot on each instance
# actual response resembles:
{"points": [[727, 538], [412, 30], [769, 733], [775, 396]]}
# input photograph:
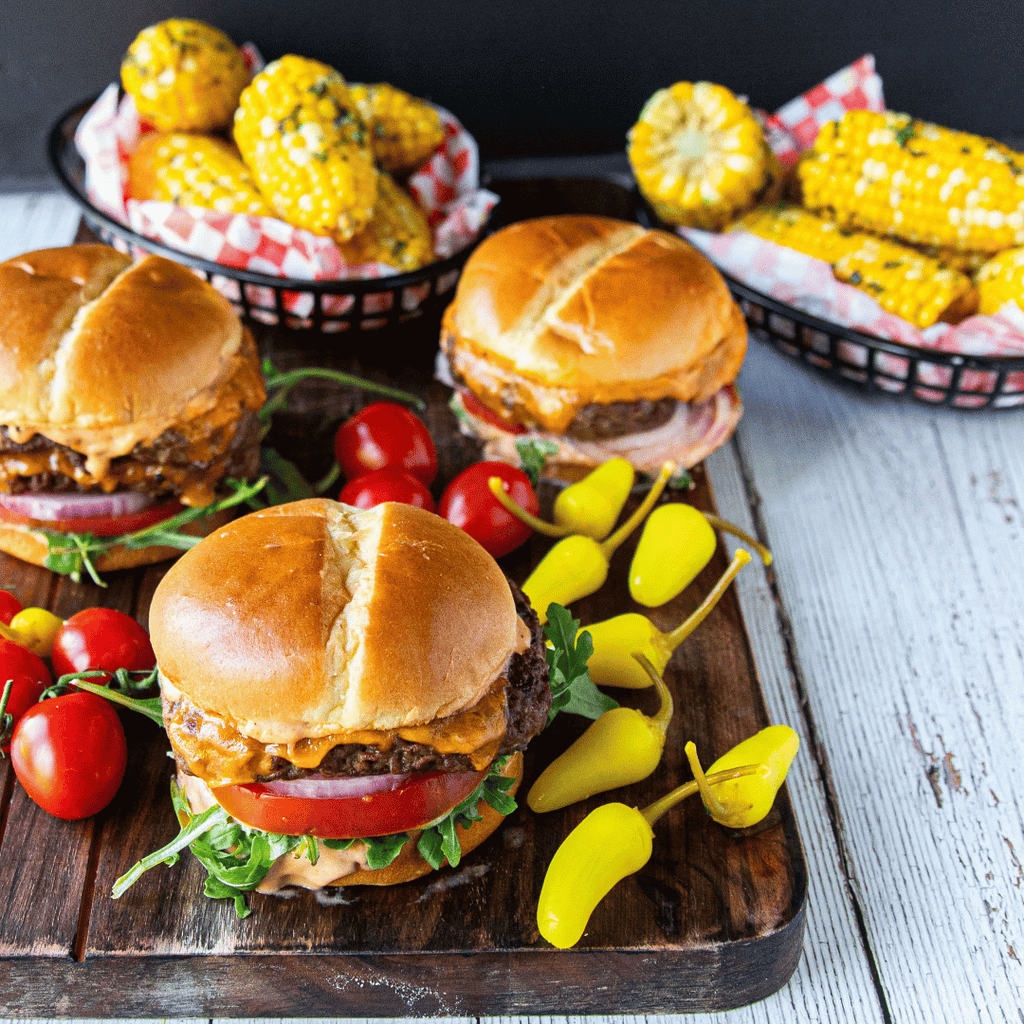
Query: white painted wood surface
{"points": [[888, 632]]}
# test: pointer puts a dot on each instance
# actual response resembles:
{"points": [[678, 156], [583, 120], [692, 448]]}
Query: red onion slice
{"points": [[64, 507], [316, 787]]}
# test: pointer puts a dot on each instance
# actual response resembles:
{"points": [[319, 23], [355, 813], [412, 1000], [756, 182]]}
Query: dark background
{"points": [[542, 78]]}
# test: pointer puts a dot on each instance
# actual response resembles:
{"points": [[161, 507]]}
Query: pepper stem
{"points": [[688, 625], [609, 544], [10, 634], [715, 809], [654, 811], [664, 716], [5, 696], [723, 524], [497, 487]]}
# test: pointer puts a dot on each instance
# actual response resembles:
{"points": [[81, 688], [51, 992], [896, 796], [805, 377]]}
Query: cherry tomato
{"points": [[101, 638], [101, 526], [414, 804], [476, 408], [469, 503], [387, 485], [69, 753], [385, 435], [29, 675], [9, 607]]}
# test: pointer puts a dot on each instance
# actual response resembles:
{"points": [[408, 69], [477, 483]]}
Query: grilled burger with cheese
{"points": [[594, 338], [339, 681], [126, 391]]}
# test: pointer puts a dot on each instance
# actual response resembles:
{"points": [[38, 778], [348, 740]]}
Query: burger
{"points": [[588, 338], [346, 692], [127, 391]]}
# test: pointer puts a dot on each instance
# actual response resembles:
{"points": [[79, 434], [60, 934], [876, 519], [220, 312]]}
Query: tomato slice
{"points": [[416, 803], [476, 408], [101, 526]]}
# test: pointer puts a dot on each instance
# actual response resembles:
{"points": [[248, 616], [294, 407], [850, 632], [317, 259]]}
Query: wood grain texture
{"points": [[896, 530]]}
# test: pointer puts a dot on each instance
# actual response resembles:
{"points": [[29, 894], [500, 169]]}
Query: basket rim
{"points": [[64, 158], [918, 353]]}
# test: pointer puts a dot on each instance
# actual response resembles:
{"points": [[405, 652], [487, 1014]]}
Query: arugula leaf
{"points": [[533, 455], [459, 410], [571, 687]]}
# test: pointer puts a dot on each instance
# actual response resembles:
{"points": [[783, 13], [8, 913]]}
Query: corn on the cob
{"points": [[893, 175], [966, 261], [194, 170], [300, 135], [1001, 280], [398, 234], [699, 156], [902, 280], [403, 130], [184, 75]]}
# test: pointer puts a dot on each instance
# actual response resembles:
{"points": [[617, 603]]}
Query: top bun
{"points": [[90, 342], [554, 314], [314, 617]]}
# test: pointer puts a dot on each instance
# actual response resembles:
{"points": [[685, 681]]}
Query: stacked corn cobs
{"points": [[305, 146], [927, 220]]}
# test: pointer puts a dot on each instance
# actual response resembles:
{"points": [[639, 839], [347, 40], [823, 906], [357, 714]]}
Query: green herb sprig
{"points": [[572, 689]]}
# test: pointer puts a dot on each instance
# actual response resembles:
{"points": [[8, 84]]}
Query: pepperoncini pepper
{"points": [[33, 628], [621, 747], [617, 639], [590, 507], [615, 841], [676, 543], [578, 565]]}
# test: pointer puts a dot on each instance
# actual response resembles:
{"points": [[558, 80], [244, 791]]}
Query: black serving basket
{"points": [[350, 308], [927, 375]]}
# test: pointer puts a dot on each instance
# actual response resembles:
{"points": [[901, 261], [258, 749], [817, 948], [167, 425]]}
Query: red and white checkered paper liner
{"points": [[446, 187], [808, 284]]}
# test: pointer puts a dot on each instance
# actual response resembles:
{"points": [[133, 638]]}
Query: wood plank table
{"points": [[888, 632]]}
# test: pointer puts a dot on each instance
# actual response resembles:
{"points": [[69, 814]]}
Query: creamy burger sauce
{"points": [[220, 752], [293, 868]]}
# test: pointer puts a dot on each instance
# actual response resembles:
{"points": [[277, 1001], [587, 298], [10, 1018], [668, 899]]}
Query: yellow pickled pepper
{"points": [[742, 802], [621, 747], [578, 565], [617, 639], [676, 543], [616, 840], [590, 506]]}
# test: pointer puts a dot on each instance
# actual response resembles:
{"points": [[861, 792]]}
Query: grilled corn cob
{"points": [[300, 135], [404, 130], [184, 75], [1001, 280], [892, 175], [194, 170], [699, 156], [398, 234], [902, 280]]}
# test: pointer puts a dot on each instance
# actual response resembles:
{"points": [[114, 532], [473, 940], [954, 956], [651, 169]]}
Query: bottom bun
{"points": [[30, 545], [409, 865]]}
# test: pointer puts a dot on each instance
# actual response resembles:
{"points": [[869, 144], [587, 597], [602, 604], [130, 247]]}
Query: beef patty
{"points": [[165, 466]]}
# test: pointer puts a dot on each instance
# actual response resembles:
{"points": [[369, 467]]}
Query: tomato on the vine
{"points": [[9, 607], [414, 803], [468, 502], [69, 753], [28, 675], [101, 638], [387, 485], [385, 435]]}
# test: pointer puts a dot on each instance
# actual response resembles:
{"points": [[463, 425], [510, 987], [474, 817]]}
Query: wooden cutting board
{"points": [[714, 921]]}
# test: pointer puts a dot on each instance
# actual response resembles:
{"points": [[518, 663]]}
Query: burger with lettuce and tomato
{"points": [[347, 693], [128, 391]]}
